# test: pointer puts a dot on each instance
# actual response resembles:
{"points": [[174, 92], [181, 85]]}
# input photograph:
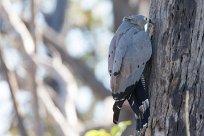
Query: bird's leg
{"points": [[142, 95], [140, 117], [144, 106], [134, 105]]}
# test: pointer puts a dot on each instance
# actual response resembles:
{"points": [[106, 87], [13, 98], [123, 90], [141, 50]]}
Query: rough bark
{"points": [[177, 68]]}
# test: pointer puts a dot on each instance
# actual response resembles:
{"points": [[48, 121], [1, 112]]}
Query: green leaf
{"points": [[101, 132], [117, 130]]}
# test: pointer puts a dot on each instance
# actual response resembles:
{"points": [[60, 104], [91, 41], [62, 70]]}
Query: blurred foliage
{"points": [[84, 18], [100, 132], [116, 130]]}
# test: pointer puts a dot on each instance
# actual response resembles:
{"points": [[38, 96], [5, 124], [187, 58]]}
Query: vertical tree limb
{"points": [[13, 87], [29, 47], [37, 121]]}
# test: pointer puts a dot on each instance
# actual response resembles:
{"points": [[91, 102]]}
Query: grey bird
{"points": [[129, 51]]}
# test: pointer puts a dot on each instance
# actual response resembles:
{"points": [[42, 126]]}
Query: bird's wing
{"points": [[137, 55], [122, 43], [111, 54], [142, 47], [138, 52]]}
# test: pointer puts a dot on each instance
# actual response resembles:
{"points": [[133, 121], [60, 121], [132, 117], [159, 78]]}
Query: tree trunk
{"points": [[177, 68]]}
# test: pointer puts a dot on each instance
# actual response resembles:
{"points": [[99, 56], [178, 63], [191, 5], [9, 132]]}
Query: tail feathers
{"points": [[116, 109], [119, 100], [138, 98]]}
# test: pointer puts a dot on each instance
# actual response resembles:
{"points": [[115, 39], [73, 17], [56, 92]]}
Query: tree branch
{"points": [[67, 129], [67, 88], [13, 87], [77, 67], [29, 47], [19, 27]]}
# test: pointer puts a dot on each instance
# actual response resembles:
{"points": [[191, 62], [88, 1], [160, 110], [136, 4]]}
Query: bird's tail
{"points": [[119, 100], [116, 108]]}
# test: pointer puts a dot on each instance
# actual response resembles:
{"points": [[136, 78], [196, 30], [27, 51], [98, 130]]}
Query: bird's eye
{"points": [[146, 18]]}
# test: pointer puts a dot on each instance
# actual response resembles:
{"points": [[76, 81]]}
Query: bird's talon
{"points": [[141, 108]]}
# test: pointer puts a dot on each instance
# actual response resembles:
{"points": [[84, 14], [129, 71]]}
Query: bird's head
{"points": [[138, 20]]}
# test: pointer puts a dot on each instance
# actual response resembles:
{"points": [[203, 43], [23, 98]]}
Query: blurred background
{"points": [[53, 65]]}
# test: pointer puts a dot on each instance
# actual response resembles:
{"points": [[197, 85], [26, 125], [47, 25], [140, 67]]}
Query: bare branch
{"points": [[29, 47], [67, 129], [13, 87], [77, 67], [19, 27], [67, 84]]}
